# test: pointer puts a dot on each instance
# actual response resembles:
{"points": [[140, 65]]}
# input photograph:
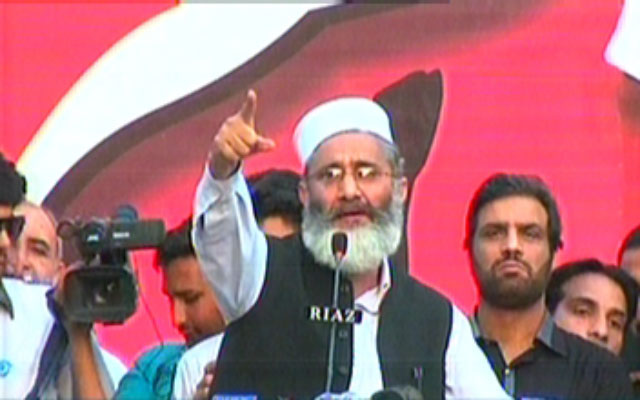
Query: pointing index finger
{"points": [[248, 110]]}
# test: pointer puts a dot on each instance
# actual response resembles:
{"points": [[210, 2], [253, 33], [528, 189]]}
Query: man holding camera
{"points": [[34, 359]]}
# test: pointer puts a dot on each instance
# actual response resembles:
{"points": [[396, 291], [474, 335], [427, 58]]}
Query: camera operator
{"points": [[34, 355], [93, 372], [195, 313]]}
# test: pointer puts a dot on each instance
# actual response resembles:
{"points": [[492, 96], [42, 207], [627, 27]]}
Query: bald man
{"points": [[38, 247]]}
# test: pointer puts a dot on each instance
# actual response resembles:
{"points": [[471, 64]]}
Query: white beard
{"points": [[367, 245]]}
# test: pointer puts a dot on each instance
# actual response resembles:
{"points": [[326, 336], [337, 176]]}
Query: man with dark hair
{"points": [[195, 313], [307, 317], [24, 317], [502, 185], [513, 232], [12, 190], [592, 300], [277, 207]]}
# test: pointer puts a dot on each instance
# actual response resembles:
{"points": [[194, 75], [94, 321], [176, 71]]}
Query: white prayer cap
{"points": [[340, 115]]}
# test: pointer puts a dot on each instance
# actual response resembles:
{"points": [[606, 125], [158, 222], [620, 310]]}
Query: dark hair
{"points": [[564, 273], [176, 244], [13, 185], [503, 185], [631, 241], [275, 193]]}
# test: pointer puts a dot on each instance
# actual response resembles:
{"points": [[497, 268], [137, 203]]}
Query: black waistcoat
{"points": [[275, 350]]}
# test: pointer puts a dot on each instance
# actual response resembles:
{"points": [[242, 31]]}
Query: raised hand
{"points": [[237, 139]]}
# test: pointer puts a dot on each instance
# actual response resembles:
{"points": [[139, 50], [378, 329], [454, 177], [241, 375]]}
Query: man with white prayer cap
{"points": [[324, 312]]}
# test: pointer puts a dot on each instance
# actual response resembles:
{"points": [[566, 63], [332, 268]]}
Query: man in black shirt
{"points": [[513, 233]]}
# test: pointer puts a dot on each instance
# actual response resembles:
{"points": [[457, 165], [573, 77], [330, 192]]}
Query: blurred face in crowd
{"points": [[630, 262], [38, 247], [5, 242], [350, 186], [193, 304], [593, 307], [511, 253], [278, 226]]}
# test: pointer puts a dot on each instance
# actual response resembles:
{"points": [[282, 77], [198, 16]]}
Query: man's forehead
{"points": [[349, 147], [183, 270], [597, 288], [516, 209], [37, 222]]}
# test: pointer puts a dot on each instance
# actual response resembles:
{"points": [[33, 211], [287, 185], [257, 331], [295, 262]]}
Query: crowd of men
{"points": [[281, 285]]}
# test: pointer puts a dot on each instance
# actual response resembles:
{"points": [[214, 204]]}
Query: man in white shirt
{"points": [[287, 337], [26, 325]]}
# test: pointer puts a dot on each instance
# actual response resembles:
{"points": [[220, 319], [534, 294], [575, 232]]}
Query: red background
{"points": [[526, 90]]}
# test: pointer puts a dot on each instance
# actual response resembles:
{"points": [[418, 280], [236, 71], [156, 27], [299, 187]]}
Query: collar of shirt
{"points": [[370, 300], [5, 301], [546, 335]]}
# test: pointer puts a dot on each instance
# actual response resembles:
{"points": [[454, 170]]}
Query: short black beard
{"points": [[512, 295]]}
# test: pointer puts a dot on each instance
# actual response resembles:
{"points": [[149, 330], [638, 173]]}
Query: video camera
{"points": [[102, 287]]}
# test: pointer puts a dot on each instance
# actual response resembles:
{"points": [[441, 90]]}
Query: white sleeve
{"points": [[190, 369], [231, 247], [468, 374]]}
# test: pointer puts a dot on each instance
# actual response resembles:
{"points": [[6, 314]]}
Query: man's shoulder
{"points": [[586, 351], [590, 355], [152, 375], [410, 298], [161, 353], [159, 356], [411, 286], [29, 300], [204, 351], [16, 286], [605, 371]]}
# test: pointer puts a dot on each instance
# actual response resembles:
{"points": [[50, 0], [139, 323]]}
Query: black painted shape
{"points": [[414, 104]]}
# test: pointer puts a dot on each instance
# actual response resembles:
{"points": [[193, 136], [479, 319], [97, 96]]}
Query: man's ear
{"points": [[303, 192], [405, 188]]}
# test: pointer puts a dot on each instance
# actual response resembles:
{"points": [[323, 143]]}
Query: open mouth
{"points": [[352, 218]]}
